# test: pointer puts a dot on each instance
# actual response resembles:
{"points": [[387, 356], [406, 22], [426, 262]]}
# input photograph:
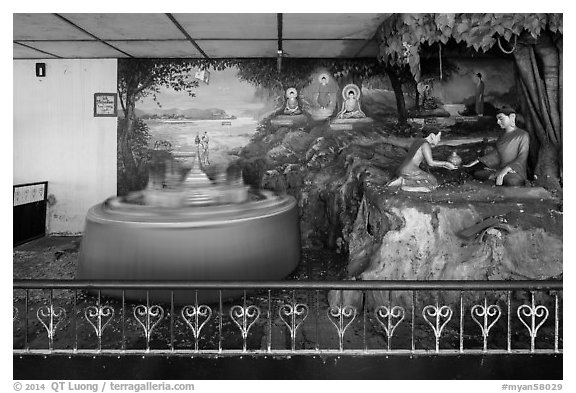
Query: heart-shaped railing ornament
{"points": [[241, 317], [293, 315], [389, 318], [337, 315], [486, 312], [438, 313], [100, 314], [196, 317], [148, 318], [532, 312], [51, 317]]}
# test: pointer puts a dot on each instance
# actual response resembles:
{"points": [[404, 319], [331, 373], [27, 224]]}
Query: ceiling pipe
{"points": [[38, 50], [179, 26], [92, 35], [280, 53]]}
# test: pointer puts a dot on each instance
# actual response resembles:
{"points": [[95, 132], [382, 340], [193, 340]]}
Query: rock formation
{"points": [[338, 177]]}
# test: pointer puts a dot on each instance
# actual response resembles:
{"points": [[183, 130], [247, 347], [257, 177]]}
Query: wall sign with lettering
{"points": [[105, 104]]}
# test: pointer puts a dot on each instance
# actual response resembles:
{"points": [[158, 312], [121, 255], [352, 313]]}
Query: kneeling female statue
{"points": [[410, 176]]}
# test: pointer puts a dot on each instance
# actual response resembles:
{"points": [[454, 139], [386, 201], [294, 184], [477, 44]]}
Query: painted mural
{"points": [[228, 109], [224, 110]]}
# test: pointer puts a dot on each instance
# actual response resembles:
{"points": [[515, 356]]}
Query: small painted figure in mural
{"points": [[351, 106], [425, 89], [323, 92], [292, 106], [507, 163], [410, 176], [204, 159], [424, 92], [479, 97]]}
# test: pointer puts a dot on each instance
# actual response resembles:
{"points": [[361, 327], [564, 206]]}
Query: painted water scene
{"points": [[224, 114]]}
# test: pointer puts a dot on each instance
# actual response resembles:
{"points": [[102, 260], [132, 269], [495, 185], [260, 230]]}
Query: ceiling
{"points": [[199, 35]]}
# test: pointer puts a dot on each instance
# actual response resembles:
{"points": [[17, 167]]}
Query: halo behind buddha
{"points": [[324, 75], [351, 87], [290, 90]]}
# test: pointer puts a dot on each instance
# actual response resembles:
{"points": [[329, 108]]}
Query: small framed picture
{"points": [[105, 104]]}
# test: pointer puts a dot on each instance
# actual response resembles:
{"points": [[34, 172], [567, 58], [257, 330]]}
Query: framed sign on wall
{"points": [[105, 104]]}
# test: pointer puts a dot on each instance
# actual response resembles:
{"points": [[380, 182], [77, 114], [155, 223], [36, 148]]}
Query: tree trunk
{"points": [[535, 61], [130, 169], [547, 168], [559, 44], [416, 95], [528, 125], [549, 57], [399, 94]]}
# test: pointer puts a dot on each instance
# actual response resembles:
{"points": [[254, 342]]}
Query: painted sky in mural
{"points": [[224, 91]]}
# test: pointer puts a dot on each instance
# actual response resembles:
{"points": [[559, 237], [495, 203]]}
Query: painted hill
{"points": [[176, 113]]}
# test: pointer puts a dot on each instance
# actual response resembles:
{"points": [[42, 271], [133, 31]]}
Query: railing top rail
{"points": [[454, 285]]}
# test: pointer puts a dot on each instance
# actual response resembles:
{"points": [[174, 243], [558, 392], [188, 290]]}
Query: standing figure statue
{"points": [[410, 176], [351, 106], [204, 149], [323, 92], [292, 106], [479, 96]]}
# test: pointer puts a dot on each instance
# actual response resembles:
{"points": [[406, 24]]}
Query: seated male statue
{"points": [[507, 163], [351, 105], [292, 106], [410, 176]]}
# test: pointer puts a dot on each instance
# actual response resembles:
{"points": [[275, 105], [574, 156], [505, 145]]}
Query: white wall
{"points": [[58, 139]]}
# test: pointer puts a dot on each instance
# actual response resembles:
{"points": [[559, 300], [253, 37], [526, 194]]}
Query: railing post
{"points": [[556, 322], [509, 328], [269, 314], [461, 323]]}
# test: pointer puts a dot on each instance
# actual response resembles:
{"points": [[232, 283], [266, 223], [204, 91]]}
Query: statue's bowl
{"points": [[255, 240]]}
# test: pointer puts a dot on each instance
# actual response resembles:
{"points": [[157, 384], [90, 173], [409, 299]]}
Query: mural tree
{"points": [[298, 73], [535, 43], [139, 78]]}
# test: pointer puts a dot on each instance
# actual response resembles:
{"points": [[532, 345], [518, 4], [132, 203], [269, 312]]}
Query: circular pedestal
{"points": [[255, 240]]}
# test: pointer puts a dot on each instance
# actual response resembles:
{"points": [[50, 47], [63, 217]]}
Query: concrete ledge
{"points": [[350, 124], [537, 367], [466, 119], [287, 120]]}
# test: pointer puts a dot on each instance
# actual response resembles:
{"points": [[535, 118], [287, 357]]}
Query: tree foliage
{"points": [[139, 78], [402, 35], [297, 73], [535, 42], [139, 146]]}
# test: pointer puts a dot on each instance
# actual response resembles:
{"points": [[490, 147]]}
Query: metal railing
{"points": [[287, 318]]}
